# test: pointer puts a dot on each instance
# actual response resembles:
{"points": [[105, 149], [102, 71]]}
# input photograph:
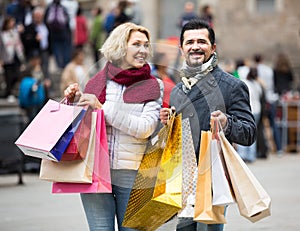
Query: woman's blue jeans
{"points": [[101, 209]]}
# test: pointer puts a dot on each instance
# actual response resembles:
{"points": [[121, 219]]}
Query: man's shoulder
{"points": [[225, 79]]}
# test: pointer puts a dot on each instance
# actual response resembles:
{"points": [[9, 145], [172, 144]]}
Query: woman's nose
{"points": [[143, 49]]}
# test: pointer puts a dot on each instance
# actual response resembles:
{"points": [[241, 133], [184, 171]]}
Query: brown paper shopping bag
{"points": [[156, 195], [76, 171], [205, 211], [252, 199]]}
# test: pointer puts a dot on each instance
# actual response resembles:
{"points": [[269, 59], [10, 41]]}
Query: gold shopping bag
{"points": [[156, 195], [253, 201], [205, 211]]}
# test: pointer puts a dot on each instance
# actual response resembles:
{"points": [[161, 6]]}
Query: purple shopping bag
{"points": [[51, 131]]}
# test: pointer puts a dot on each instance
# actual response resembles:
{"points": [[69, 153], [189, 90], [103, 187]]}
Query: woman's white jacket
{"points": [[128, 126]]}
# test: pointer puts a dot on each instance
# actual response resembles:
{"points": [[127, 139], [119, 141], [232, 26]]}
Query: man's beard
{"points": [[196, 63]]}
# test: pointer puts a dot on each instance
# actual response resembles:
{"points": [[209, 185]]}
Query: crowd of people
{"points": [[268, 84], [58, 29]]}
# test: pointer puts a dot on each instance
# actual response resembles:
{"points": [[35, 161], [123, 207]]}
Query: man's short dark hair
{"points": [[196, 24]]}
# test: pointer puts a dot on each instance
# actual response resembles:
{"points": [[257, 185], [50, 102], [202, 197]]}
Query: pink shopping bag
{"points": [[101, 180], [50, 132]]}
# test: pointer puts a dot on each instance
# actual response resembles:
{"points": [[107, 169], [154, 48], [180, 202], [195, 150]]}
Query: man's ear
{"points": [[214, 47], [181, 51]]}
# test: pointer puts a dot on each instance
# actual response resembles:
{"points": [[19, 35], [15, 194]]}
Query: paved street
{"points": [[32, 207]]}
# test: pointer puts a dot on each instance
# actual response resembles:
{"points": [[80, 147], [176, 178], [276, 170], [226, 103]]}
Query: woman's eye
{"points": [[138, 45]]}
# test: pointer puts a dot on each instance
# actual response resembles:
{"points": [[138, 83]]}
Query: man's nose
{"points": [[196, 46]]}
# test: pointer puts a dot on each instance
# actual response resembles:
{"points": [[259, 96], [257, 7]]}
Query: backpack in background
{"points": [[29, 98], [56, 18]]}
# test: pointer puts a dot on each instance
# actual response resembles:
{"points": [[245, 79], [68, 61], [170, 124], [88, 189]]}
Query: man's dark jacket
{"points": [[218, 90]]}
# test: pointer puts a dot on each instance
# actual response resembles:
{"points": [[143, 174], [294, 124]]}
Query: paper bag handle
{"points": [[63, 101], [215, 127]]}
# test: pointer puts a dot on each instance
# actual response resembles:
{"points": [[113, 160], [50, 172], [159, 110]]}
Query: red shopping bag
{"points": [[51, 131], [78, 146], [101, 180]]}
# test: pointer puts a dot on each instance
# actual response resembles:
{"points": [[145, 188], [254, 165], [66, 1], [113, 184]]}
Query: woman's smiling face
{"points": [[138, 50]]}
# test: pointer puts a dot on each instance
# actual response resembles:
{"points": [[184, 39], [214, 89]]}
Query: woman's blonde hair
{"points": [[114, 48]]}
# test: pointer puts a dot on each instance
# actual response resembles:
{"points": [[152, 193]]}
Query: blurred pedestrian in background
{"points": [[243, 68], [81, 29], [131, 113], [248, 153], [109, 20], [97, 33], [11, 8], [134, 12], [57, 21], [206, 14], [35, 38], [188, 14], [266, 76], [23, 13], [121, 16], [75, 71], [71, 7], [11, 55], [283, 75]]}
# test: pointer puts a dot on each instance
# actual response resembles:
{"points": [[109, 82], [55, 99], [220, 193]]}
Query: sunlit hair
{"points": [[114, 48]]}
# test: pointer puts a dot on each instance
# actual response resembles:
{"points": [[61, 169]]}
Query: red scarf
{"points": [[141, 87]]}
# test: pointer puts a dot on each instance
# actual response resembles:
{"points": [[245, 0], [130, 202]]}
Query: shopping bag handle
{"points": [[164, 132], [215, 127], [63, 101], [171, 113]]}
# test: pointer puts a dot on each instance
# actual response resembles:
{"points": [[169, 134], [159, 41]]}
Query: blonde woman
{"points": [[131, 99]]}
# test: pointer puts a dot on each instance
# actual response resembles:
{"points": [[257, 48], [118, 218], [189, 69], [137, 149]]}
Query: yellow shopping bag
{"points": [[156, 195]]}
